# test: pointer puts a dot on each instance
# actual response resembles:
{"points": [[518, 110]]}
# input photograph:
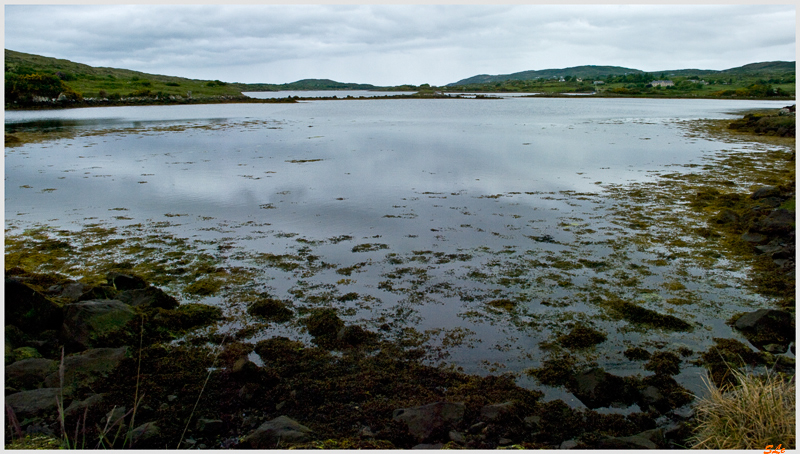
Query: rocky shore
{"points": [[124, 364]]}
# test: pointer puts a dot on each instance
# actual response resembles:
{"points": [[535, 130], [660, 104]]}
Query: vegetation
{"points": [[759, 410]]}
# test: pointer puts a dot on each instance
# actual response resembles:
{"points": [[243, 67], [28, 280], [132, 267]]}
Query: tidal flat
{"points": [[529, 239]]}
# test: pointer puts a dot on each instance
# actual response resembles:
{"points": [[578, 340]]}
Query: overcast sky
{"points": [[393, 45]]}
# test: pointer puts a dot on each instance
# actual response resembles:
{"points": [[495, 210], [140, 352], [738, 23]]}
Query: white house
{"points": [[662, 83]]}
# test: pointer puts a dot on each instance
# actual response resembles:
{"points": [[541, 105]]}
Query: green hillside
{"points": [[99, 82], [587, 71]]}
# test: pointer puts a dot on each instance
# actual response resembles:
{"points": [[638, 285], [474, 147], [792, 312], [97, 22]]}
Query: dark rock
{"points": [[428, 446], [568, 444], [271, 309], [141, 434], [430, 421], [354, 336], [597, 388], [29, 309], [765, 191], [757, 238], [83, 368], [456, 437], [278, 432], [778, 222], [209, 426], [147, 297], [69, 290], [125, 281], [492, 412], [78, 406], [85, 321], [100, 292], [650, 439], [29, 373], [767, 326], [28, 404], [726, 217]]}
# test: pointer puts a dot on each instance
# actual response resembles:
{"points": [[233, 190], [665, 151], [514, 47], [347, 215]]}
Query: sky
{"points": [[399, 44]]}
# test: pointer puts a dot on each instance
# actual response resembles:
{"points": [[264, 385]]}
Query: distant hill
{"points": [[576, 71], [775, 67], [306, 84]]}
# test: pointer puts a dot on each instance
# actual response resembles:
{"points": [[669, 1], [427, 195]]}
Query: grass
{"points": [[758, 410]]}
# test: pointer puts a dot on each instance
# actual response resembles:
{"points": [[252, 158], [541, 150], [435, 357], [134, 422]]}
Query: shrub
{"points": [[756, 411]]}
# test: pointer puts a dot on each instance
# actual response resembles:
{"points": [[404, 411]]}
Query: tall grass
{"points": [[756, 411]]}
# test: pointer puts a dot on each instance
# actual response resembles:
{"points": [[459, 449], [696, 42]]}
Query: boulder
{"points": [[36, 402], [495, 411], [597, 388], [767, 326], [69, 290], [764, 192], [430, 421], [147, 297], [78, 406], [277, 433], [209, 426], [100, 292], [83, 368], [29, 373], [755, 238], [141, 434], [125, 281], [650, 439], [85, 321], [29, 309], [778, 222]]}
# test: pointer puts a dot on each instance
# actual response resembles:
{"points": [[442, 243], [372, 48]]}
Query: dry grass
{"points": [[758, 411]]}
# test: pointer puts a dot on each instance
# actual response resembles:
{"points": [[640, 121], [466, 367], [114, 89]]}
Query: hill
{"points": [[590, 71], [306, 84]]}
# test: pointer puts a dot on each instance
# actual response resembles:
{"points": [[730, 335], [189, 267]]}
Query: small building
{"points": [[662, 83], [598, 82]]}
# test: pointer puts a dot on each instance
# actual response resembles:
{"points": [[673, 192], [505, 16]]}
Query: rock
{"points": [[765, 191], [492, 412], [29, 309], [83, 368], [726, 217], [100, 292], [85, 321], [456, 437], [209, 426], [643, 440], [27, 404], [568, 444], [778, 222], [684, 412], [505, 441], [29, 373], [78, 406], [532, 422], [428, 446], [271, 309], [475, 428], [147, 297], [767, 326], [354, 335], [757, 238], [144, 432], [597, 388], [650, 397], [432, 420], [70, 290], [278, 432], [125, 281]]}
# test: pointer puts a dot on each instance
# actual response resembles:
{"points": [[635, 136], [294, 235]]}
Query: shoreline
{"points": [[349, 385]]}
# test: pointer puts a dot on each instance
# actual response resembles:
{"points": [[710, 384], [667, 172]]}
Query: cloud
{"points": [[398, 44]]}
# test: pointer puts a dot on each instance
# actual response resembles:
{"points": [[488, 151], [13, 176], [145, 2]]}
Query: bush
{"points": [[757, 411]]}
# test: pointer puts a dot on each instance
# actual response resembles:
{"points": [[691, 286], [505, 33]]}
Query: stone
{"points": [[532, 422], [144, 432], [70, 290], [644, 440], [494, 411], [456, 437], [209, 426], [85, 321], [426, 446], [22, 353], [278, 432], [125, 281], [597, 388], [147, 297], [753, 237], [684, 412], [778, 222], [29, 373], [765, 191], [767, 326], [568, 444], [505, 441], [83, 368], [30, 310], [78, 406], [100, 292], [36, 402], [428, 421]]}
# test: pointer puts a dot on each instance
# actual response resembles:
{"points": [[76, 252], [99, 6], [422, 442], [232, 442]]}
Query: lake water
{"points": [[474, 222], [324, 94]]}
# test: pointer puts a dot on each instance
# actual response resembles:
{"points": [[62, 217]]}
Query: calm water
{"points": [[462, 196], [324, 94]]}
